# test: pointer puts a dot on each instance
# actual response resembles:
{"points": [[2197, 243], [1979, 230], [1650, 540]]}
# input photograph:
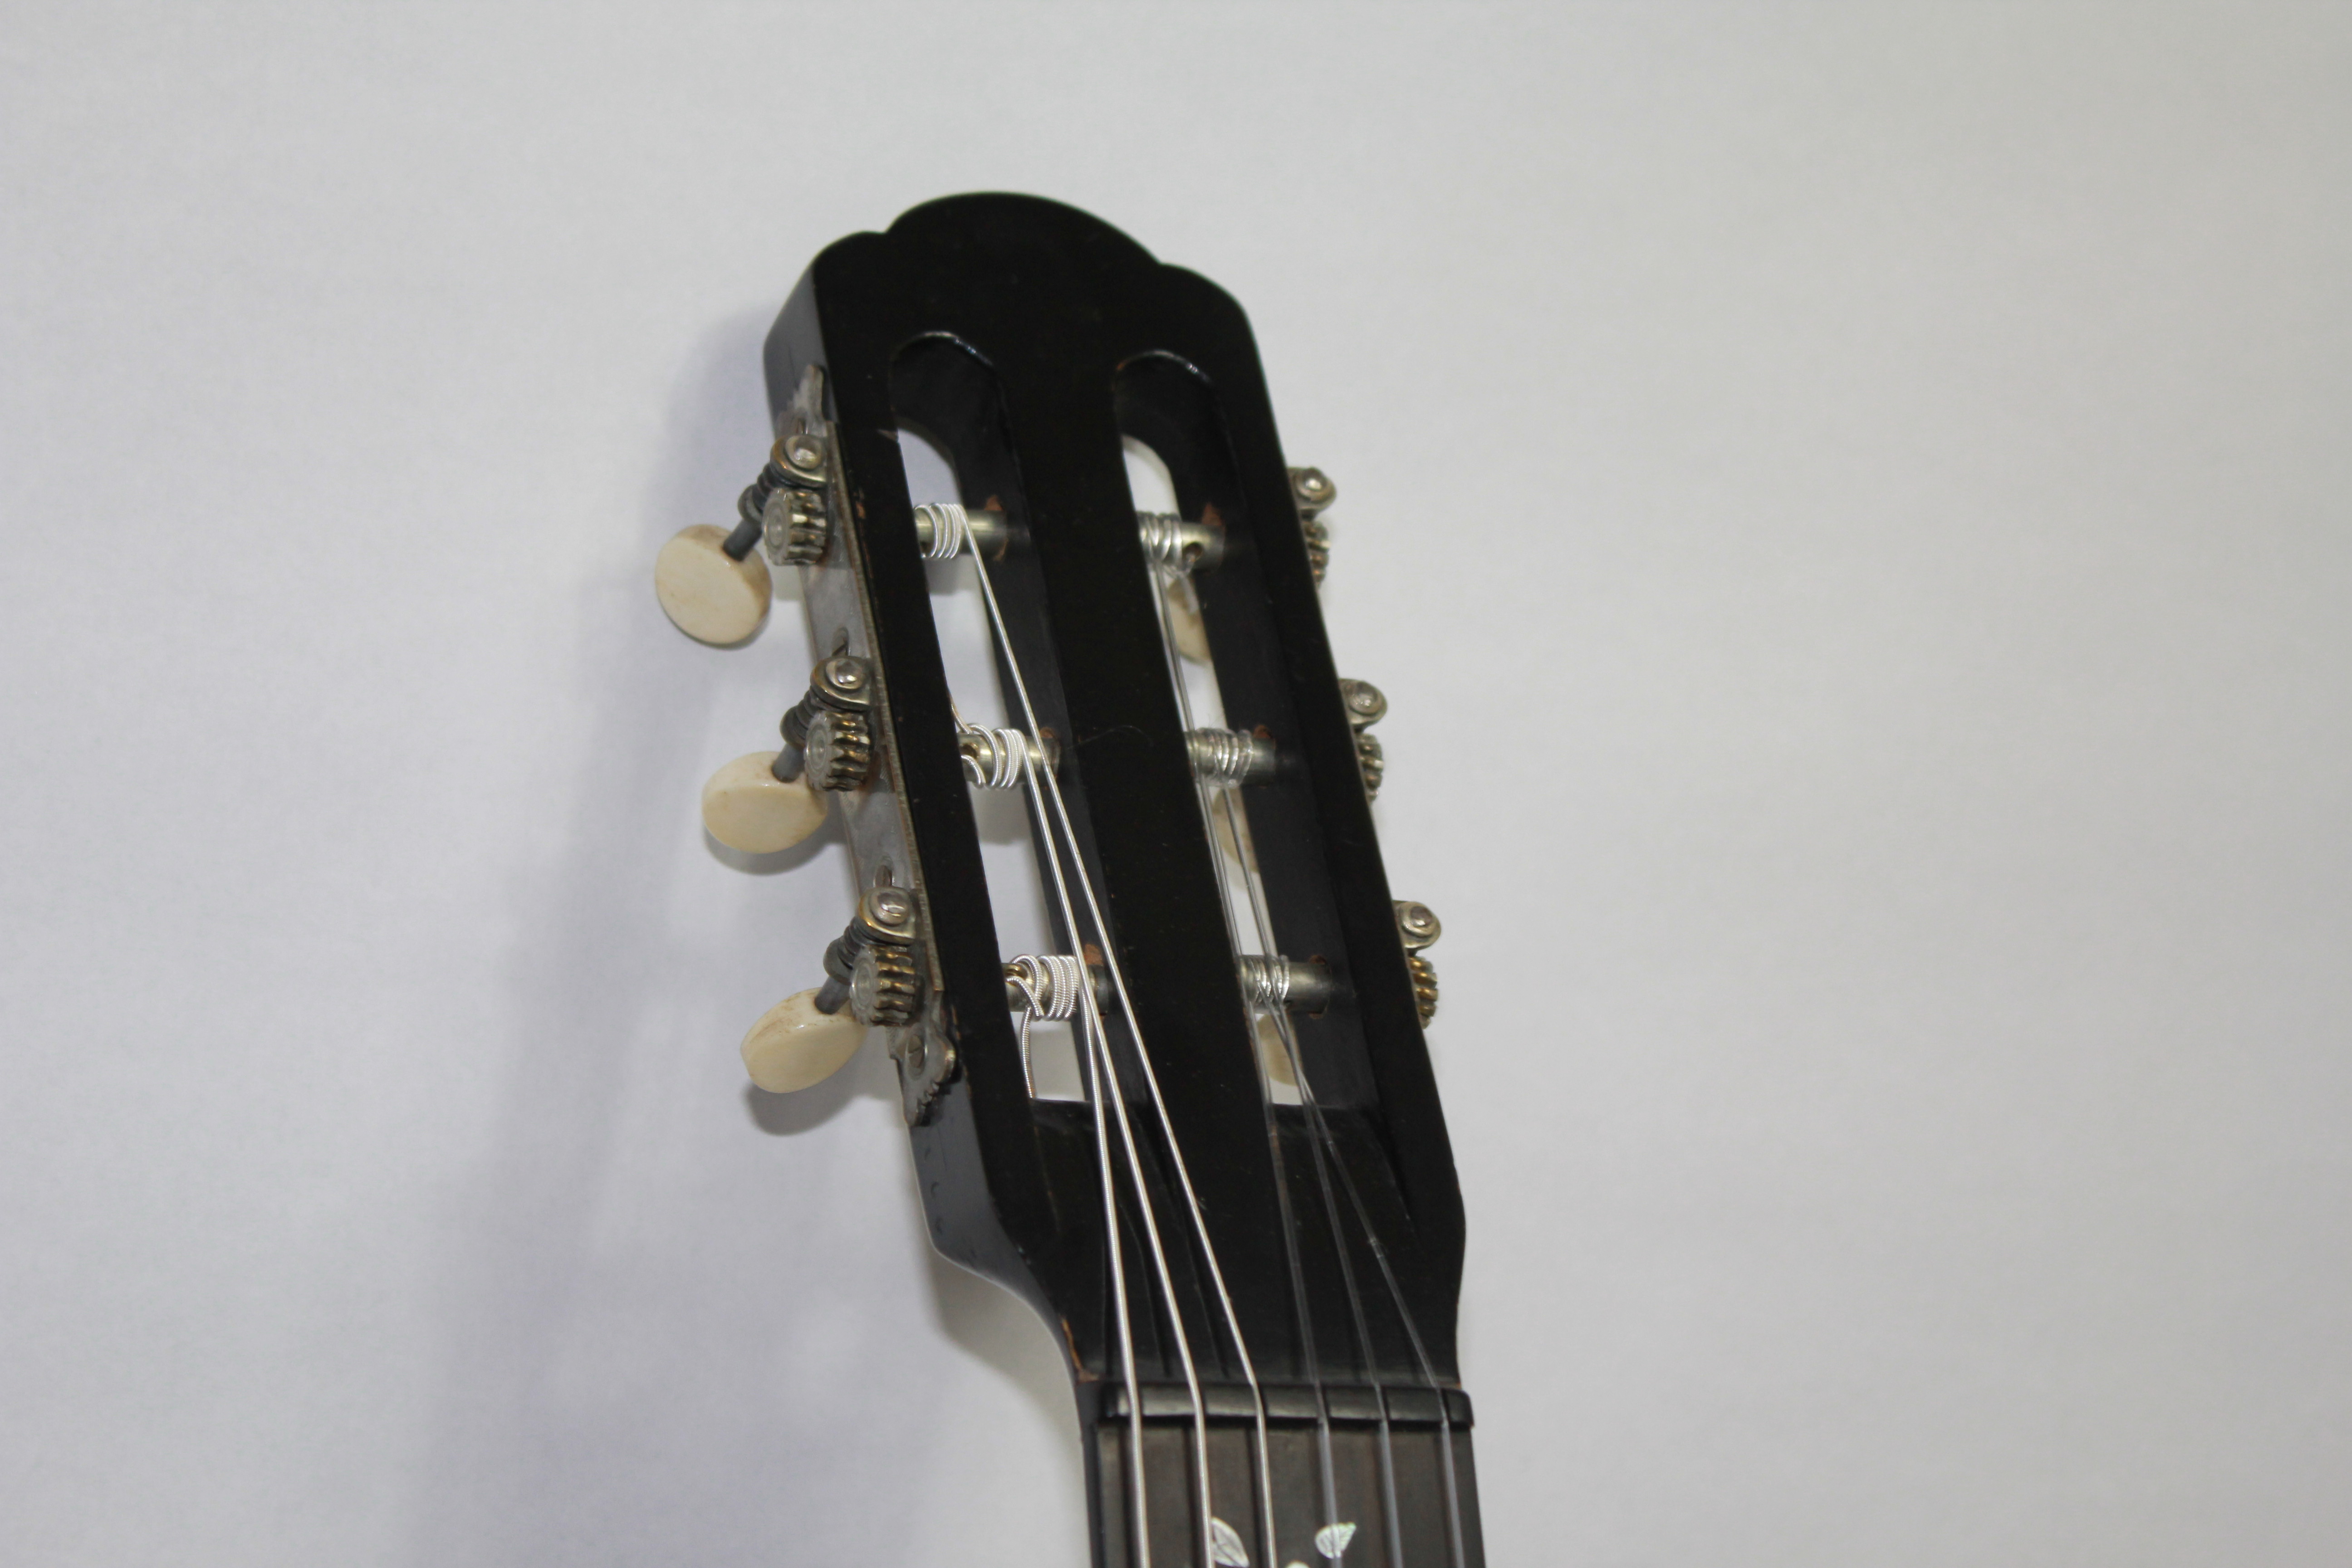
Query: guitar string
{"points": [[1105, 1072], [1103, 1083], [1245, 855], [1089, 1027], [1421, 1355], [1097, 1077], [1323, 1142], [1100, 1035], [1322, 1137], [1028, 1072], [1052, 792], [1163, 581], [1245, 851]]}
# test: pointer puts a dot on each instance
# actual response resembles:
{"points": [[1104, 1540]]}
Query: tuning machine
{"points": [[714, 585], [766, 801], [872, 980]]}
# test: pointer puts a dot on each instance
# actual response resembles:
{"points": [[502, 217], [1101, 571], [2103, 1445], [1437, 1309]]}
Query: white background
{"points": [[1849, 507]]}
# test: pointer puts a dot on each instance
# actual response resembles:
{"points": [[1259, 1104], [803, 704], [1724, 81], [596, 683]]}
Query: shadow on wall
{"points": [[585, 1412]]}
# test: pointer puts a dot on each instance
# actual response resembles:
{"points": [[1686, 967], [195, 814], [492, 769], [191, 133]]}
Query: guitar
{"points": [[1238, 1215]]}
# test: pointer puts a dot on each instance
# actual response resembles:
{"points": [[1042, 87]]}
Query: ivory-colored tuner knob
{"points": [[1185, 627], [747, 807], [794, 1047], [708, 594]]}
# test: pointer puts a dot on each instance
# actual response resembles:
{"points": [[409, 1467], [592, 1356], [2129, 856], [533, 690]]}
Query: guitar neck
{"points": [[1379, 1477]]}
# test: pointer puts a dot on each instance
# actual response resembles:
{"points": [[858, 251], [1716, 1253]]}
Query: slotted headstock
{"points": [[1244, 1228]]}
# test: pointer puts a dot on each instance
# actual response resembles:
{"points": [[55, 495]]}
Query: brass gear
{"points": [[794, 526], [883, 985], [839, 751], [1424, 987], [1318, 545], [1371, 761]]}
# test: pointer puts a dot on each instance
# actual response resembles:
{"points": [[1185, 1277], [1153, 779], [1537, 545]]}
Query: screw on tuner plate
{"points": [[829, 731], [1418, 929], [872, 980], [712, 583], [766, 801]]}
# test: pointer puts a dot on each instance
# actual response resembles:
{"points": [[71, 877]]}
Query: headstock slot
{"points": [[1023, 911], [1164, 406], [1194, 682]]}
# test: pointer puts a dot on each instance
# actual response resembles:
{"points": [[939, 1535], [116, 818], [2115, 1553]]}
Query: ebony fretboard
{"points": [[1391, 1485]]}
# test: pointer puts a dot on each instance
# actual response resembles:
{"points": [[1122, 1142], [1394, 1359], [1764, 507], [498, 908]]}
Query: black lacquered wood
{"points": [[1026, 338]]}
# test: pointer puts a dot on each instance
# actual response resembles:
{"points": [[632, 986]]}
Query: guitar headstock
{"points": [[1239, 1213]]}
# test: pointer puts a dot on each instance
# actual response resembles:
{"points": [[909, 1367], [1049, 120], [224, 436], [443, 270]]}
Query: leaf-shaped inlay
{"points": [[1226, 1544], [1332, 1539]]}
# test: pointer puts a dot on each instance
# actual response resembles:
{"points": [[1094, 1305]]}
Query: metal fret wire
{"points": [[1051, 789], [1322, 1144]]}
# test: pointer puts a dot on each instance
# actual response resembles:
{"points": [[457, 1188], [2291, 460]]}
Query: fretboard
{"points": [[1338, 1485]]}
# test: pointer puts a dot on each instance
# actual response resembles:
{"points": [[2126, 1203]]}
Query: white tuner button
{"points": [[794, 1047], [708, 594], [747, 807]]}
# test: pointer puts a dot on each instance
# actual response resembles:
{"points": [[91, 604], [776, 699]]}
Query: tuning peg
{"points": [[709, 592], [748, 806], [870, 980], [795, 1046], [713, 585], [766, 801]]}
